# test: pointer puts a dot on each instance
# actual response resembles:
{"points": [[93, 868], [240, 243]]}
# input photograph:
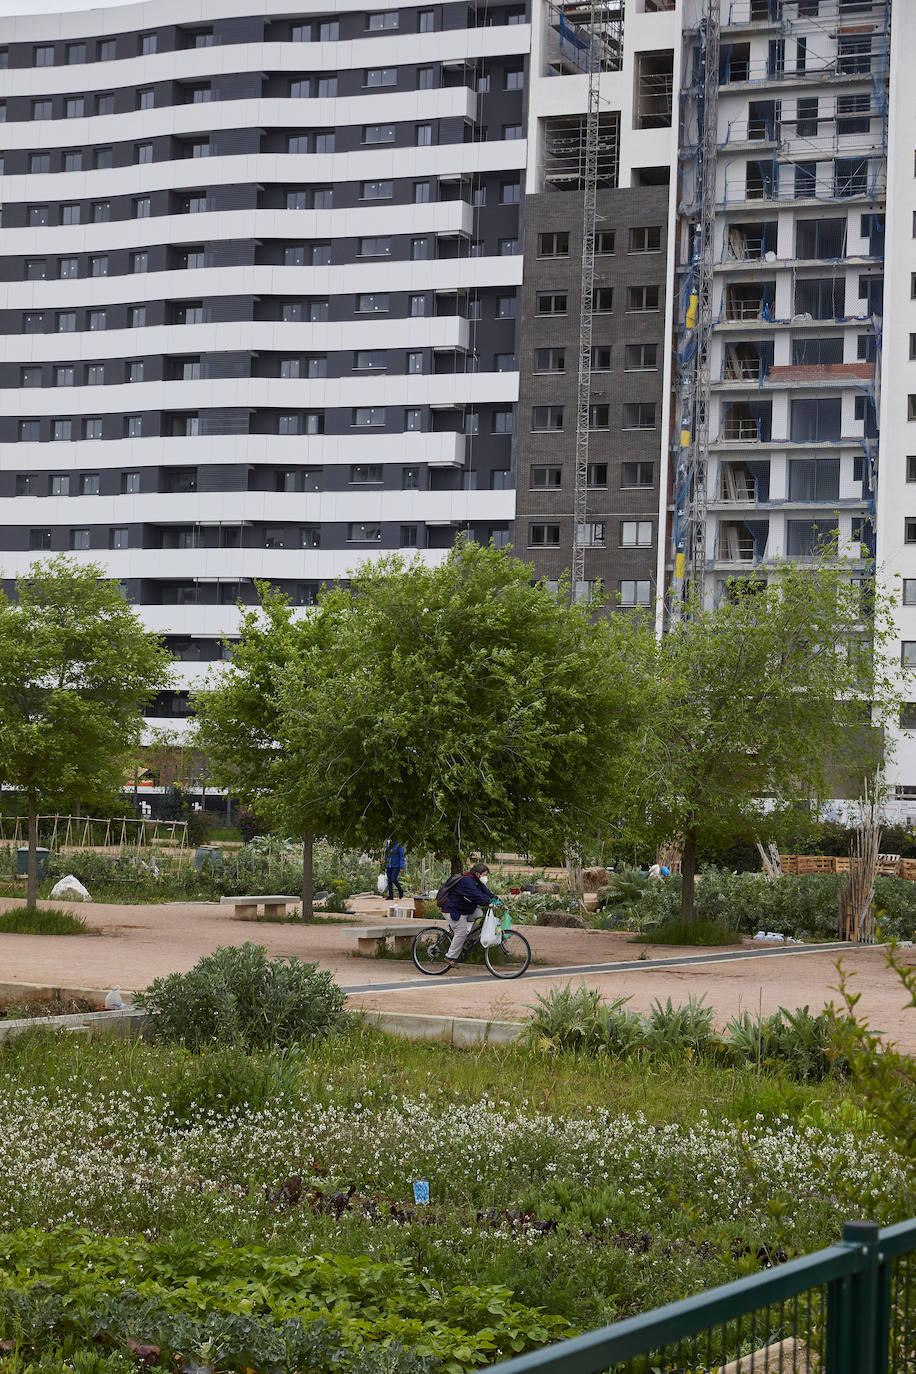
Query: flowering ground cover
{"points": [[257, 1212]]}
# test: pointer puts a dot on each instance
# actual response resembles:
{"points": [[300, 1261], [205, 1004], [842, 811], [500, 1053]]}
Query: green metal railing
{"points": [[848, 1309]]}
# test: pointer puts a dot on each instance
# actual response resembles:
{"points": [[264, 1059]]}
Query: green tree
{"points": [[76, 669], [242, 730], [461, 707], [761, 702]]}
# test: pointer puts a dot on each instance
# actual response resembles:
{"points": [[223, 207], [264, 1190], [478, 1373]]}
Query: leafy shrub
{"points": [[36, 920], [677, 931], [579, 1019], [802, 1043], [670, 1029], [236, 996], [226, 1078], [623, 899]]}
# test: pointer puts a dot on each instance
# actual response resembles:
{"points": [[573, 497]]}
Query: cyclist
{"points": [[464, 904]]}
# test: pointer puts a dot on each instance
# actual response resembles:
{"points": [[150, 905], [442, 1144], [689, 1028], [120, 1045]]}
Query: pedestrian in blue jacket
{"points": [[464, 904], [395, 863]]}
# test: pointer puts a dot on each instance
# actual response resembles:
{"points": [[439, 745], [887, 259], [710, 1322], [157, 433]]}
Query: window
{"points": [[596, 475], [514, 79], [419, 249], [143, 153], [853, 114], [853, 57], [292, 311], [908, 715], [148, 44], [39, 163], [413, 420], [37, 216], [545, 478], [909, 530], [324, 143], [408, 536], [381, 76], [416, 306], [426, 78], [27, 484], [423, 135], [635, 593], [362, 532], [362, 474], [74, 107], [372, 303], [379, 133], [911, 407], [66, 322], [909, 591], [911, 467], [368, 415], [547, 417], [807, 538], [421, 193], [504, 362], [601, 358], [329, 31], [908, 653], [33, 322], [39, 539], [62, 430], [73, 160], [92, 427], [415, 362], [140, 207], [69, 214], [376, 190], [108, 50], [146, 99], [510, 192], [642, 298], [851, 176], [316, 366], [320, 255], [503, 421], [370, 360], [95, 374], [541, 535], [551, 303], [554, 244], [602, 300], [64, 376], [310, 537], [426, 21], [506, 307], [386, 19], [593, 534], [636, 534], [97, 319], [599, 417], [550, 360], [42, 109], [512, 132], [44, 55], [118, 538], [135, 370], [646, 240], [102, 159], [288, 424], [36, 269], [815, 421], [29, 431], [637, 474], [101, 211], [410, 479], [30, 376], [133, 426], [604, 242], [98, 266], [60, 484], [641, 357], [318, 311], [639, 415], [89, 484]]}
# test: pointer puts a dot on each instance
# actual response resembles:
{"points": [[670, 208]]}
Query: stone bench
{"points": [[370, 940], [248, 906]]}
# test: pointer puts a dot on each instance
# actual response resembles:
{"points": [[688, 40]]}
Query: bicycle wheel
{"points": [[429, 949], [510, 957]]}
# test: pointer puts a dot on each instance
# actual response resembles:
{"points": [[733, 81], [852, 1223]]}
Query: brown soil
{"points": [[51, 1006], [140, 943]]}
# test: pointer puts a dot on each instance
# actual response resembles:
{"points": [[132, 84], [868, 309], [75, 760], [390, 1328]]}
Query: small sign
{"points": [[420, 1191]]}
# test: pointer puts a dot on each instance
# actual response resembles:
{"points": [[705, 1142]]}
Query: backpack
{"points": [[447, 888]]}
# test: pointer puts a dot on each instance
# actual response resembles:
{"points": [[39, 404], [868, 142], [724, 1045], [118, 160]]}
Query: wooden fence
{"points": [[91, 832], [889, 865]]}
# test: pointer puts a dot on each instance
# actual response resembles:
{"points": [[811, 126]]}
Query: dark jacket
{"points": [[467, 895], [395, 857]]}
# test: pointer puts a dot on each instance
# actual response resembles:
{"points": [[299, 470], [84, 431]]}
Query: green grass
{"points": [[26, 920], [678, 932]]}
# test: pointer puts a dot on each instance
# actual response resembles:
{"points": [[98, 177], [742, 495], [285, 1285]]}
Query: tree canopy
{"points": [[757, 703], [461, 707], [76, 669]]}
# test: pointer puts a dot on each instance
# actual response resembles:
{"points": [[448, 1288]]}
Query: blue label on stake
{"points": [[421, 1191]]}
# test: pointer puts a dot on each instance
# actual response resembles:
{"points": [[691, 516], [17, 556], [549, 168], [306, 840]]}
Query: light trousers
{"points": [[461, 925]]}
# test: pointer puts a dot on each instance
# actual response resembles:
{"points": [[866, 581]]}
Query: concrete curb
{"points": [[453, 1030], [124, 1023]]}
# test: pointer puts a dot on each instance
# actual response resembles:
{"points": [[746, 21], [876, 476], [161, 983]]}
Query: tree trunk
{"points": [[688, 873], [31, 887], [308, 876], [457, 865]]}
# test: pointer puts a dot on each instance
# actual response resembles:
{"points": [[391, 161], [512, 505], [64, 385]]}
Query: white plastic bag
{"points": [[490, 933], [70, 887], [382, 884]]}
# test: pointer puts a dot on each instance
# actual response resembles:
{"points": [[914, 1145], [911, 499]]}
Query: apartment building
{"points": [[260, 295]]}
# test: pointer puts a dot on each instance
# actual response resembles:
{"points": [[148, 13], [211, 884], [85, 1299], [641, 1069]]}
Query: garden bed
{"points": [[218, 1196]]}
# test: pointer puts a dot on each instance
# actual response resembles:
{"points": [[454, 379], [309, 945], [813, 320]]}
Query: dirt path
{"points": [[139, 943]]}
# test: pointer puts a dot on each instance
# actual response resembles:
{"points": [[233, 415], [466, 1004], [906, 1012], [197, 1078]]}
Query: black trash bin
{"points": [[41, 861]]}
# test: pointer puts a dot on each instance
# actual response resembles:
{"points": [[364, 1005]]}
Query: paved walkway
{"points": [[136, 944]]}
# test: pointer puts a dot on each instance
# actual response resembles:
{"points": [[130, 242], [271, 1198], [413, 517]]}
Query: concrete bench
{"points": [[248, 906], [370, 940]]}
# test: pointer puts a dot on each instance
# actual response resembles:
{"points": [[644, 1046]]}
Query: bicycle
{"points": [[507, 959]]}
